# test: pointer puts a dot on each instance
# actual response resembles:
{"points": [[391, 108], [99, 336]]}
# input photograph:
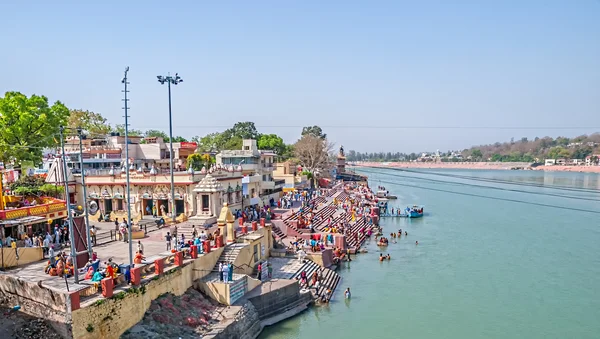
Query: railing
{"points": [[33, 210]]}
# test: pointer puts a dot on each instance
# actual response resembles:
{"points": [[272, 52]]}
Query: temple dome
{"points": [[208, 185]]}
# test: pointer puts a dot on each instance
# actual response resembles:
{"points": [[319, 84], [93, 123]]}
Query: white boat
{"points": [[386, 195]]}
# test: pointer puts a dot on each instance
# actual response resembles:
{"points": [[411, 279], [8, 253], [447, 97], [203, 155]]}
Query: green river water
{"points": [[484, 268]]}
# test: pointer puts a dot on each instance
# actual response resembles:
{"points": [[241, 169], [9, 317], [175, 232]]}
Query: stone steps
{"points": [[229, 254], [330, 278]]}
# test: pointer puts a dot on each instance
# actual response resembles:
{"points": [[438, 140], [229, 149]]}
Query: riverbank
{"points": [[478, 166]]}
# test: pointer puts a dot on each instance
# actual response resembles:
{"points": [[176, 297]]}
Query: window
{"points": [[256, 254]]}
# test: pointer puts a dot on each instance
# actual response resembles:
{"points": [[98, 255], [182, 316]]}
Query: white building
{"points": [[257, 168]]}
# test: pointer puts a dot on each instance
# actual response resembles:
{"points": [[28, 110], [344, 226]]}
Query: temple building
{"points": [[197, 194]]}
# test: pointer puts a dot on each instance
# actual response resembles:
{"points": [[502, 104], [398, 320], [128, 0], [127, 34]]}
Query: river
{"points": [[518, 265]]}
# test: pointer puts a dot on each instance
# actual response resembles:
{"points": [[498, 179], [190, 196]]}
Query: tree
{"points": [[315, 131], [313, 153], [233, 143], [242, 130], [153, 133], [476, 153], [132, 132], [210, 143], [90, 122], [274, 143], [177, 139], [195, 161], [28, 125]]}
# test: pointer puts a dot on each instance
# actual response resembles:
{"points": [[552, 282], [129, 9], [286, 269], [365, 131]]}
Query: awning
{"points": [[24, 221]]}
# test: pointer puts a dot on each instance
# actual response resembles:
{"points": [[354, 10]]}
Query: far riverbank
{"points": [[479, 166]]}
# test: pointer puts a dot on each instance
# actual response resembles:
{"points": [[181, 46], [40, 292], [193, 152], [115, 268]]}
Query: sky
{"points": [[376, 75]]}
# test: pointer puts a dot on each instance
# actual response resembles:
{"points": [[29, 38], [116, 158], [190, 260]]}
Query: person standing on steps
{"points": [[168, 240], [225, 272], [220, 271], [269, 270], [230, 271], [259, 275]]}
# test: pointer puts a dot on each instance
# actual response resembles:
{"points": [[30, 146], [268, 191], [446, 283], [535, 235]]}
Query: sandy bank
{"points": [[480, 166]]}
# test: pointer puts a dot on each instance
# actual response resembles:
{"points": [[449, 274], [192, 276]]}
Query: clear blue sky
{"points": [[330, 63]]}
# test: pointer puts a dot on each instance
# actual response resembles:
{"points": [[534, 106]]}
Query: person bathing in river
{"points": [[381, 257], [388, 257], [347, 293]]}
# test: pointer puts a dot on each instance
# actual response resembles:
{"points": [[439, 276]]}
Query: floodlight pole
{"points": [[69, 212], [171, 80], [129, 225], [85, 205]]}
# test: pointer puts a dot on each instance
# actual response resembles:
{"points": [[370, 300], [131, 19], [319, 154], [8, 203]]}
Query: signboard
{"points": [[190, 145]]}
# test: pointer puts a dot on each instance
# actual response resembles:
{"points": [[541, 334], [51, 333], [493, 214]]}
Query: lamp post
{"points": [[129, 226], [85, 205], [171, 80], [69, 212]]}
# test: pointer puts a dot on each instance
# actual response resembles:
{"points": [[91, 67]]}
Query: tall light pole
{"points": [[171, 80], [124, 82], [69, 212], [85, 205]]}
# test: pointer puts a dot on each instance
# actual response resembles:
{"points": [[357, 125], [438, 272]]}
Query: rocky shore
{"points": [[18, 325]]}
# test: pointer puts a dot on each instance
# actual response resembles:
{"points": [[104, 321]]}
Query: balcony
{"points": [[268, 166], [251, 178], [267, 185], [280, 183], [39, 210]]}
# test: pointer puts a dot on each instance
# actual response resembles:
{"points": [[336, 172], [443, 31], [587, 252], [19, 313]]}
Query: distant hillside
{"points": [[537, 150], [523, 150]]}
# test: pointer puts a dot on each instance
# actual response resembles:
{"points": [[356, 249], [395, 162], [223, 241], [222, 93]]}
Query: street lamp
{"points": [[171, 80]]}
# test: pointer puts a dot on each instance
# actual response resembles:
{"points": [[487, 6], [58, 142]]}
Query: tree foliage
{"points": [[154, 133], [273, 142], [132, 131], [28, 125], [90, 122], [315, 131]]}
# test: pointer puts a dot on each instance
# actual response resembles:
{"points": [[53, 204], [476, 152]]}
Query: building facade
{"points": [[259, 185], [150, 190]]}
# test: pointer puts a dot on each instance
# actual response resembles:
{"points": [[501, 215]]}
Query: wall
{"points": [[109, 318], [26, 255], [245, 325], [215, 290], [37, 301], [271, 303], [245, 258]]}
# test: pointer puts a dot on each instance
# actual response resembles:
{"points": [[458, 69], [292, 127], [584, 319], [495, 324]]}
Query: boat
{"points": [[385, 195], [414, 211]]}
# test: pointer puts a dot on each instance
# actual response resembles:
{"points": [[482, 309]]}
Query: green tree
{"points": [[132, 132], [90, 122], [242, 130], [273, 142], [315, 131], [233, 143], [212, 142], [28, 125], [195, 161], [154, 133], [177, 139], [476, 153]]}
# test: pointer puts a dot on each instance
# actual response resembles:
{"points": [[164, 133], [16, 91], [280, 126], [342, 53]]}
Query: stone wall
{"points": [[37, 301], [271, 303], [109, 318], [245, 325]]}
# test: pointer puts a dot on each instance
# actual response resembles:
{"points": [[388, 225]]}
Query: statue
{"points": [[342, 151]]}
